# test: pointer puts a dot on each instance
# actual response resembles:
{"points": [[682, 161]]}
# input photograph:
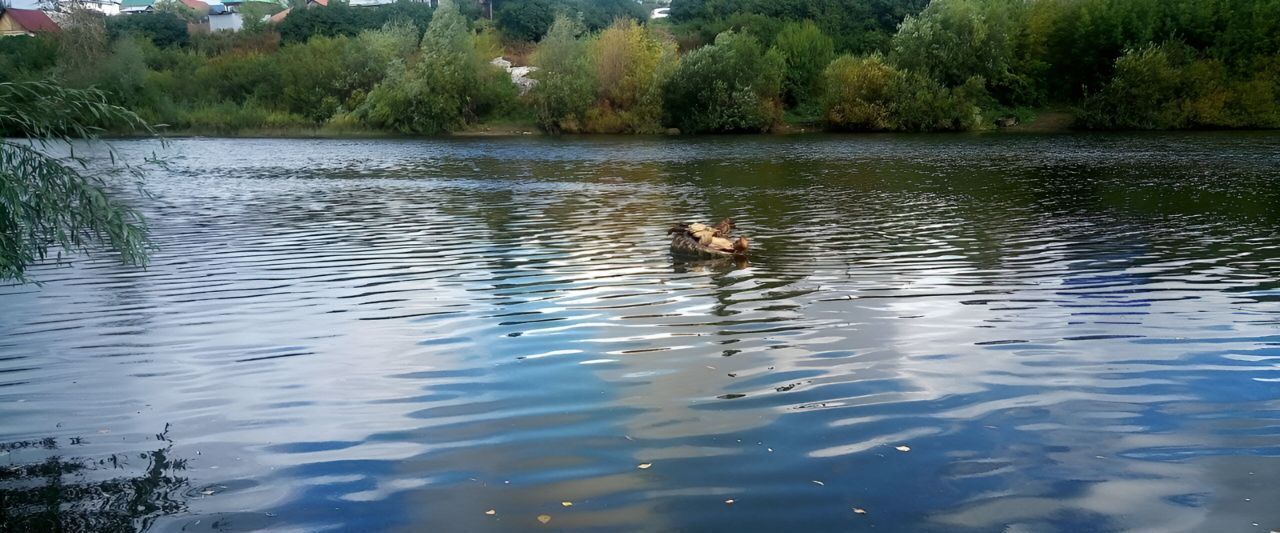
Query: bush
{"points": [[27, 58], [452, 84], [324, 75], [953, 41], [529, 20], [161, 28], [564, 90], [630, 66], [805, 53], [1170, 87], [868, 94], [859, 94], [729, 86], [525, 20], [340, 18], [599, 14], [237, 77], [859, 26]]}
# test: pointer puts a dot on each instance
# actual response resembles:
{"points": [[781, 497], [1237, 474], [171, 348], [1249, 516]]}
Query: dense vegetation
{"points": [[714, 66]]}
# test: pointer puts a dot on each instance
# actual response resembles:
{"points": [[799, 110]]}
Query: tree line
{"points": [[714, 66]]}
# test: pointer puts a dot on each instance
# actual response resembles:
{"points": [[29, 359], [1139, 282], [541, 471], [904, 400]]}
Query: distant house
{"points": [[106, 7], [136, 6], [14, 22]]}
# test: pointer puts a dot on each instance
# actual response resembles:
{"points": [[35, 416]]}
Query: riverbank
{"points": [[1048, 121], [1041, 122]]}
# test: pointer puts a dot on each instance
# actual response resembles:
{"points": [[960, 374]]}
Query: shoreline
{"points": [[1045, 122]]}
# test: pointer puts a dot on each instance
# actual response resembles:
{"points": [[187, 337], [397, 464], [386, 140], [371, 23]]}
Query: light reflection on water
{"points": [[1069, 333]]}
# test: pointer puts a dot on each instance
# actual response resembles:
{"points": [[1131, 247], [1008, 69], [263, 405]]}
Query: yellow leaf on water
{"points": [[643, 466], [567, 504], [491, 512], [544, 518], [903, 448], [859, 510]]}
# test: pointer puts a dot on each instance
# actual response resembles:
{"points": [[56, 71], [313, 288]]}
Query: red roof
{"points": [[321, 2], [278, 17], [32, 20], [199, 7]]}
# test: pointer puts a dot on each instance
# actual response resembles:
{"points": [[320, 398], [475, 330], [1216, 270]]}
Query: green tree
{"points": [[564, 90], [859, 94], [27, 59], [805, 52], [340, 18], [729, 86], [525, 20], [47, 204], [953, 41], [1171, 86], [450, 85], [161, 28], [630, 66], [869, 94]]}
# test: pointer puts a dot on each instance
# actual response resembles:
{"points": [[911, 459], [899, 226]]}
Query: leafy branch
{"points": [[51, 203]]}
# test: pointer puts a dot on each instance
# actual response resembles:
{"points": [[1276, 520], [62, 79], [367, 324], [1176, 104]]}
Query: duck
{"points": [[700, 239]]}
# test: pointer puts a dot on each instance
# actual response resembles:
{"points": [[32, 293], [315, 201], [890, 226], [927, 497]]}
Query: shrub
{"points": [[161, 28], [27, 58], [525, 20], [1170, 87], [630, 66], [325, 74], [237, 77], [729, 86], [805, 53], [529, 20], [859, 26], [452, 84], [859, 94], [868, 94], [340, 18], [954, 40], [564, 90]]}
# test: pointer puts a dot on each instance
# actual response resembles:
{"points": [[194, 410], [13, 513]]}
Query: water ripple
{"points": [[985, 333]]}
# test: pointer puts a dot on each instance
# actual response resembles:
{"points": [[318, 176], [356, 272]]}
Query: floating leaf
{"points": [[544, 518], [903, 448], [859, 510], [644, 466], [491, 512], [566, 504]]}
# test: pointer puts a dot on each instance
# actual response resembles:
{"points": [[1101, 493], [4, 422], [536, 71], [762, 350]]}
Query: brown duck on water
{"points": [[701, 239]]}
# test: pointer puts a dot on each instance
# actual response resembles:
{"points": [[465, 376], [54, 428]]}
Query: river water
{"points": [[934, 333]]}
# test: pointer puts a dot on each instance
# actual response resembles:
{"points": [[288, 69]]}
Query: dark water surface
{"points": [[1070, 333]]}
